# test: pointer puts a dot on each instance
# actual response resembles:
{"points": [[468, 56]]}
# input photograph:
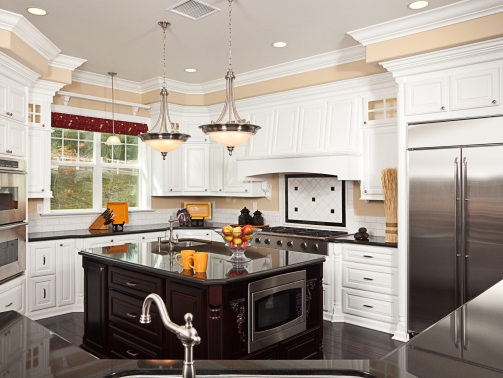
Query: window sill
{"points": [[90, 212]]}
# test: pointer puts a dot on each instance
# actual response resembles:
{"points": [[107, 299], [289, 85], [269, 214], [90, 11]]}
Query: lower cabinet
{"points": [[43, 292], [12, 295], [126, 346], [306, 346]]}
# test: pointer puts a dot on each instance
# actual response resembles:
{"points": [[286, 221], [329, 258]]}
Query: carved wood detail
{"points": [[310, 285], [238, 306]]}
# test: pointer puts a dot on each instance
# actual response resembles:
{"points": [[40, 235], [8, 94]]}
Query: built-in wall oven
{"points": [[13, 199], [276, 310]]}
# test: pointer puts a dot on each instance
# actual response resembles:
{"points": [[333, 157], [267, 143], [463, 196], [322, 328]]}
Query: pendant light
{"points": [[160, 138], [113, 140], [235, 131]]}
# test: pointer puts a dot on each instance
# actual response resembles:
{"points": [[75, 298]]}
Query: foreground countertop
{"points": [[85, 233], [148, 257]]}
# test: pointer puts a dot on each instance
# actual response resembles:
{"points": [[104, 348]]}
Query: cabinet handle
{"points": [[43, 190], [219, 190], [442, 108], [43, 125], [111, 241], [132, 284], [10, 304], [102, 269], [44, 293], [205, 190], [494, 101], [61, 245], [246, 190], [131, 353], [368, 306], [368, 257], [143, 237], [43, 263], [365, 191], [365, 122], [131, 315], [368, 279], [171, 190], [8, 151]]}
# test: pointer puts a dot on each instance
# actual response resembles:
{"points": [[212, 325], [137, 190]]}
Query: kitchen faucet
{"points": [[187, 334]]}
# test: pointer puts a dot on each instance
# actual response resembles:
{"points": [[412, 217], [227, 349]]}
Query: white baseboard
{"points": [[370, 323], [333, 318]]}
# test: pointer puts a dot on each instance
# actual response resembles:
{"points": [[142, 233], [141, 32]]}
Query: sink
{"points": [[185, 243], [358, 375]]}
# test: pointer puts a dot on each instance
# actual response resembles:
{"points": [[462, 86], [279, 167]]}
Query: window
{"points": [[86, 173]]}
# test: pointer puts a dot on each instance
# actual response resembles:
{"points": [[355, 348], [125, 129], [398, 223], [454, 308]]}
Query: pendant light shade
{"points": [[162, 138], [113, 140], [235, 131]]}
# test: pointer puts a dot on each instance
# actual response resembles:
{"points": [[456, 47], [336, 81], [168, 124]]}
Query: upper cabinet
{"points": [[426, 96], [475, 89], [342, 120], [196, 171], [13, 100], [284, 136], [311, 132], [260, 143]]}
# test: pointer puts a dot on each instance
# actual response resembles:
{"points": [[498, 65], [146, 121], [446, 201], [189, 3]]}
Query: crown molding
{"points": [[98, 114], [25, 30], [16, 71], [334, 58], [462, 11], [46, 87], [474, 53], [66, 62]]}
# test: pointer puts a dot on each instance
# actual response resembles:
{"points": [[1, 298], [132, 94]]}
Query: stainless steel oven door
{"points": [[12, 249], [12, 192], [277, 309]]}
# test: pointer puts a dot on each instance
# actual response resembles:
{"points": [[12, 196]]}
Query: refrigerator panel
{"points": [[433, 176], [483, 208]]}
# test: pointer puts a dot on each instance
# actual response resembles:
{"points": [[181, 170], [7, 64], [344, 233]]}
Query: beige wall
{"points": [[371, 209], [57, 74], [467, 32], [32, 205], [16, 48]]}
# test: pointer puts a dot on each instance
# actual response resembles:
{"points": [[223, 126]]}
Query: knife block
{"points": [[99, 224]]}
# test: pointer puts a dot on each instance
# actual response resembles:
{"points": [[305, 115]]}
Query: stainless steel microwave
{"points": [[276, 309], [12, 249], [12, 190]]}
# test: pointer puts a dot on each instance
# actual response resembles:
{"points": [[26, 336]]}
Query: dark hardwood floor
{"points": [[340, 340]]}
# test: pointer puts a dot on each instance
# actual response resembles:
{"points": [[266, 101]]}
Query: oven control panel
{"points": [[291, 243]]}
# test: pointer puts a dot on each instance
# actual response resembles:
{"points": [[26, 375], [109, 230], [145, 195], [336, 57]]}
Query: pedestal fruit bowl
{"points": [[238, 239]]}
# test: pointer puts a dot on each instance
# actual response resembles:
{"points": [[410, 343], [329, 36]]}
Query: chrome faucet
{"points": [[171, 241], [187, 334]]}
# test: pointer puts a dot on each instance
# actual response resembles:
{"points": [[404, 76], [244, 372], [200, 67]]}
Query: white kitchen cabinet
{"points": [[39, 180], [311, 132], [365, 304], [216, 168], [380, 151], [368, 277], [204, 234], [12, 100], [342, 116], [196, 168], [65, 272], [475, 89], [110, 240], [378, 110], [231, 182], [42, 258], [427, 96], [260, 143], [12, 138], [284, 137], [167, 173], [369, 254], [151, 237], [12, 295], [42, 292], [191, 127]]}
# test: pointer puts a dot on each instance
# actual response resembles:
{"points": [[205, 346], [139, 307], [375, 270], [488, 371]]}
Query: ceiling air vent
{"points": [[195, 10]]}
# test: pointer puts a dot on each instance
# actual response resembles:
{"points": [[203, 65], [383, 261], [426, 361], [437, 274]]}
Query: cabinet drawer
{"points": [[134, 283], [13, 299], [123, 345], [151, 237], [370, 305], [368, 277], [371, 255], [42, 259], [125, 311], [305, 346], [42, 292]]}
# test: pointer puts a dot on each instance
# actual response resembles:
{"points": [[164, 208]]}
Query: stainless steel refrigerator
{"points": [[455, 215]]}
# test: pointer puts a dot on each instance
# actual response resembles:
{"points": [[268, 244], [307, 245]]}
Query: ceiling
{"points": [[123, 35]]}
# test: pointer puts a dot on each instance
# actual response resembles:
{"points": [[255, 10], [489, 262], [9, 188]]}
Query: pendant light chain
{"points": [[164, 56], [230, 35], [113, 107]]}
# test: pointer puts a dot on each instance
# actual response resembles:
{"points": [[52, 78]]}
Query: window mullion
{"points": [[97, 172]]}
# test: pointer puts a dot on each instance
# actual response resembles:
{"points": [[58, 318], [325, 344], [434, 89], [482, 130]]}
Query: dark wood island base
{"points": [[115, 290]]}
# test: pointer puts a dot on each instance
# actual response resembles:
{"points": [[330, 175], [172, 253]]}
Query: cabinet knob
{"points": [[205, 190], [61, 245], [219, 190], [365, 191], [442, 108], [246, 190], [111, 241], [43, 190], [43, 125], [494, 101], [171, 190], [143, 237], [8, 151], [365, 122]]}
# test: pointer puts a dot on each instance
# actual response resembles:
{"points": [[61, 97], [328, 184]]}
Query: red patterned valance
{"points": [[101, 125]]}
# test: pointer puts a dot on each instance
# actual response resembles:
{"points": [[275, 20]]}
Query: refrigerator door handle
{"points": [[464, 334], [456, 330], [456, 241]]}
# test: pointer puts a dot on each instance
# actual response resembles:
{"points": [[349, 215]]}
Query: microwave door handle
{"points": [[13, 172], [13, 226]]}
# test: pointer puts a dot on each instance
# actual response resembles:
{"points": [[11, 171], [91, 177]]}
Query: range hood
{"points": [[346, 165]]}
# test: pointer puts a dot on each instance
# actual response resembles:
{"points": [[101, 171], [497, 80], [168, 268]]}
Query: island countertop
{"points": [[148, 256]]}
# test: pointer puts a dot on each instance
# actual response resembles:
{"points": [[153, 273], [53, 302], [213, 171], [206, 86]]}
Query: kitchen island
{"points": [[117, 280]]}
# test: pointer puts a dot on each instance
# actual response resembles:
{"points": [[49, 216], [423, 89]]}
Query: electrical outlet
{"points": [[254, 205], [213, 204], [40, 208]]}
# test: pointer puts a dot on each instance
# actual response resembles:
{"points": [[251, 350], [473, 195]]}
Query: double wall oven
{"points": [[13, 201]]}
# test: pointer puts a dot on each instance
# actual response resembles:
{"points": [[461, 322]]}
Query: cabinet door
{"points": [[42, 258], [305, 346], [175, 170], [17, 102], [42, 292], [4, 88], [380, 150], [475, 89], [4, 126], [285, 132], [16, 137], [426, 96], [260, 143], [196, 135], [196, 168], [217, 168], [151, 237], [65, 272], [340, 125], [311, 128], [38, 178], [231, 182], [13, 299]]}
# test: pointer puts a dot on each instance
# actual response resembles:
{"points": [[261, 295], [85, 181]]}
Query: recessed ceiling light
{"points": [[37, 11], [280, 44], [190, 70], [418, 4]]}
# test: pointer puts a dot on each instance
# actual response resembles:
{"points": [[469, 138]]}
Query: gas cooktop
{"points": [[296, 239]]}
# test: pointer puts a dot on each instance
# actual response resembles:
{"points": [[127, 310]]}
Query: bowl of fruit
{"points": [[238, 239]]}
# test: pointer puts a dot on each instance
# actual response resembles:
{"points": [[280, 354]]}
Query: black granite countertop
{"points": [[373, 240], [85, 233], [147, 257]]}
